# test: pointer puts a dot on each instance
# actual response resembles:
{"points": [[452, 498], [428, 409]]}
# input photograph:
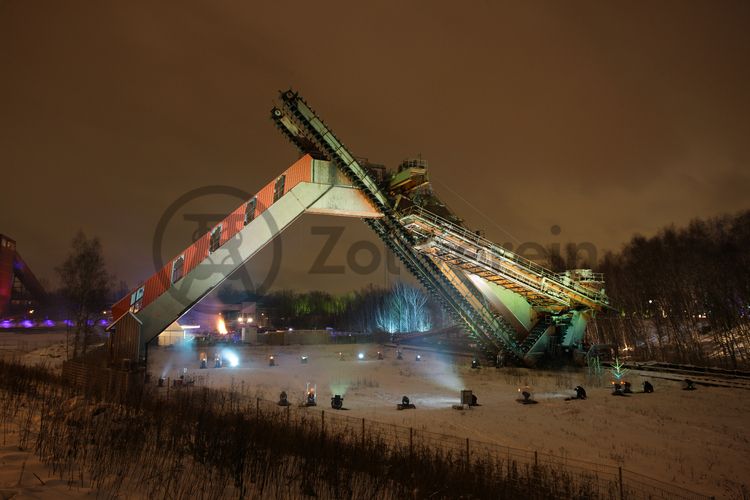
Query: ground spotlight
{"points": [[232, 359], [526, 396], [580, 392], [361, 356], [647, 387], [399, 355], [617, 388], [418, 358], [311, 398], [271, 360], [303, 360], [475, 363], [689, 385], [469, 398], [405, 404], [380, 355], [337, 402]]}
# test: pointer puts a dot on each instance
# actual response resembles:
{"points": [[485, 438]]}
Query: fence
{"points": [[606, 481]]}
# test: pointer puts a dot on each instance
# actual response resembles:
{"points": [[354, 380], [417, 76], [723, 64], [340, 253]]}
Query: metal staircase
{"points": [[539, 329]]}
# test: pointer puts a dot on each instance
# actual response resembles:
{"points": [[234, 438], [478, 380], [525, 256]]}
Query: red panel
{"points": [[6, 278], [156, 285], [265, 198], [232, 224], [300, 171], [121, 307], [196, 252]]}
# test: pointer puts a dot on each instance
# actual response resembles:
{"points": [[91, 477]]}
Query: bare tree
{"points": [[85, 287]]}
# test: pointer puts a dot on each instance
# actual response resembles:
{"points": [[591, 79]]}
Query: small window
{"points": [[177, 267], [215, 239], [136, 300], [278, 189], [250, 210]]}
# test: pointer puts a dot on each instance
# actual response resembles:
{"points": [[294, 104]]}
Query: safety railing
{"points": [[440, 223]]}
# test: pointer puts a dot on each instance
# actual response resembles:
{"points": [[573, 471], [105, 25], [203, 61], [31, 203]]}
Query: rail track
{"points": [[705, 376]]}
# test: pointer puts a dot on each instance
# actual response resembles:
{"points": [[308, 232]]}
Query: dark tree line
{"points": [[683, 295], [402, 308]]}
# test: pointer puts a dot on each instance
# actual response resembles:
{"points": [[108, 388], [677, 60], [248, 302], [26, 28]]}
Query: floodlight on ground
{"points": [[310, 395], [475, 363], [231, 358], [361, 356], [527, 397], [337, 402], [419, 357], [271, 360], [406, 404], [580, 392], [303, 360]]}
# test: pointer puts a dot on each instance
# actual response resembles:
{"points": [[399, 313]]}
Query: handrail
{"points": [[503, 253]]}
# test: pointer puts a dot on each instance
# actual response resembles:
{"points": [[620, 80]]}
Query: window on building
{"points": [[215, 239], [250, 210], [278, 189], [177, 267], [136, 300]]}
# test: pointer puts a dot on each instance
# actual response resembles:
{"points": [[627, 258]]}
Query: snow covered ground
{"points": [[45, 348], [696, 439]]}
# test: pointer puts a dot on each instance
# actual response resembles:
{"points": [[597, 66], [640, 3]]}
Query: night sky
{"points": [[605, 118]]}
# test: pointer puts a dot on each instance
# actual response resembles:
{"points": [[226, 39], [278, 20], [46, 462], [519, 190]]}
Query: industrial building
{"points": [[20, 291]]}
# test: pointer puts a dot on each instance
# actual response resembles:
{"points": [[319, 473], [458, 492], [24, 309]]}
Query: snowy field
{"points": [[45, 348], [697, 439]]}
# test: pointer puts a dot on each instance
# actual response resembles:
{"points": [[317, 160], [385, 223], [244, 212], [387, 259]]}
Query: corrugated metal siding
{"points": [[300, 171], [124, 341], [156, 285], [232, 224], [121, 307], [196, 252]]}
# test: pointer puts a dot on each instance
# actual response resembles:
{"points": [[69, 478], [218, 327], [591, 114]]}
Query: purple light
{"points": [[27, 323], [6, 323], [103, 322], [49, 322], [67, 322]]}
